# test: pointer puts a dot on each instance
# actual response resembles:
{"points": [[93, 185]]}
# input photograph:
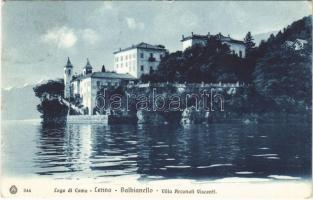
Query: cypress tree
{"points": [[248, 40]]}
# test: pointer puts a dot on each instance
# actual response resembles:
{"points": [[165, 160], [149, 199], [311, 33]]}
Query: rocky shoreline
{"points": [[187, 116]]}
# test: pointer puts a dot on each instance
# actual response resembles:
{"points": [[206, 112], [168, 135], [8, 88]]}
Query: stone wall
{"points": [[87, 119]]}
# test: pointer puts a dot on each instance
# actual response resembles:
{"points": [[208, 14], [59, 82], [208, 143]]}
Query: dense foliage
{"points": [[280, 76], [51, 108], [51, 87], [210, 63]]}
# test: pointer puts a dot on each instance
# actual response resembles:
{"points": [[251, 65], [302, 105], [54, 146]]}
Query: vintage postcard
{"points": [[156, 99]]}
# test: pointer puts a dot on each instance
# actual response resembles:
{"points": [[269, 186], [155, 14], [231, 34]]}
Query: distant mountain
{"points": [[263, 36], [19, 103]]}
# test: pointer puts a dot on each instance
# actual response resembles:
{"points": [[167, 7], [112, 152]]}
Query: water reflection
{"points": [[52, 155], [173, 151]]}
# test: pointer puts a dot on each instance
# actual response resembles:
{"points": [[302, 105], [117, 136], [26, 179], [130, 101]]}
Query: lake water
{"points": [[144, 152]]}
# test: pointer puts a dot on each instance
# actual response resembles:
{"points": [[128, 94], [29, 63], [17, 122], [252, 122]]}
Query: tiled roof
{"points": [[233, 41], [111, 75], [195, 36], [142, 45], [219, 36], [105, 75]]}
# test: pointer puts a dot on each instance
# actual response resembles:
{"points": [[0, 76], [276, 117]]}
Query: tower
{"points": [[88, 68], [68, 75]]}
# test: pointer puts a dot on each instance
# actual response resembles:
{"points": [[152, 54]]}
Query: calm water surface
{"points": [[156, 152]]}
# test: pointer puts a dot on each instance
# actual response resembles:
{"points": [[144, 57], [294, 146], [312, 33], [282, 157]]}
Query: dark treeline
{"points": [[50, 107], [281, 76], [210, 63]]}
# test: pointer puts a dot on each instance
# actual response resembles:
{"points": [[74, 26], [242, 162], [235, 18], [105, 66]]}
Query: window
{"points": [[240, 54], [161, 56], [141, 55], [98, 84], [69, 72], [126, 57], [121, 58], [141, 68], [134, 56], [151, 55], [116, 65], [151, 69]]}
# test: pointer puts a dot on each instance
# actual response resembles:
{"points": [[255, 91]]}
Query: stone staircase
{"points": [[72, 106]]}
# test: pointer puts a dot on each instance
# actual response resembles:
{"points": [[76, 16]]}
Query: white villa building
{"points": [[297, 44], [129, 64], [138, 59], [236, 46], [85, 86]]}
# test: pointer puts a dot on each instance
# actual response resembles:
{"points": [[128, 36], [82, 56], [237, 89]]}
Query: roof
{"points": [[195, 36], [233, 41], [88, 65], [301, 40], [106, 75], [223, 38], [111, 75], [68, 64], [143, 45], [219, 36]]}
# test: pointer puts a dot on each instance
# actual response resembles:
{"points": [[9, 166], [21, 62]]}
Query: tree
{"points": [[213, 62], [103, 68], [282, 77], [52, 110], [248, 40], [52, 87]]}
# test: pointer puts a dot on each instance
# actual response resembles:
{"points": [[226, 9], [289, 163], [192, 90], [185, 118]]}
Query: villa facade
{"points": [[129, 65], [138, 59], [84, 87], [236, 46]]}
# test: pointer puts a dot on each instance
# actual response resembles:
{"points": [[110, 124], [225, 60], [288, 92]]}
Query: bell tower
{"points": [[68, 75], [88, 68]]}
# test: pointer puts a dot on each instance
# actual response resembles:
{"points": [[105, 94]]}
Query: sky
{"points": [[38, 36]]}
